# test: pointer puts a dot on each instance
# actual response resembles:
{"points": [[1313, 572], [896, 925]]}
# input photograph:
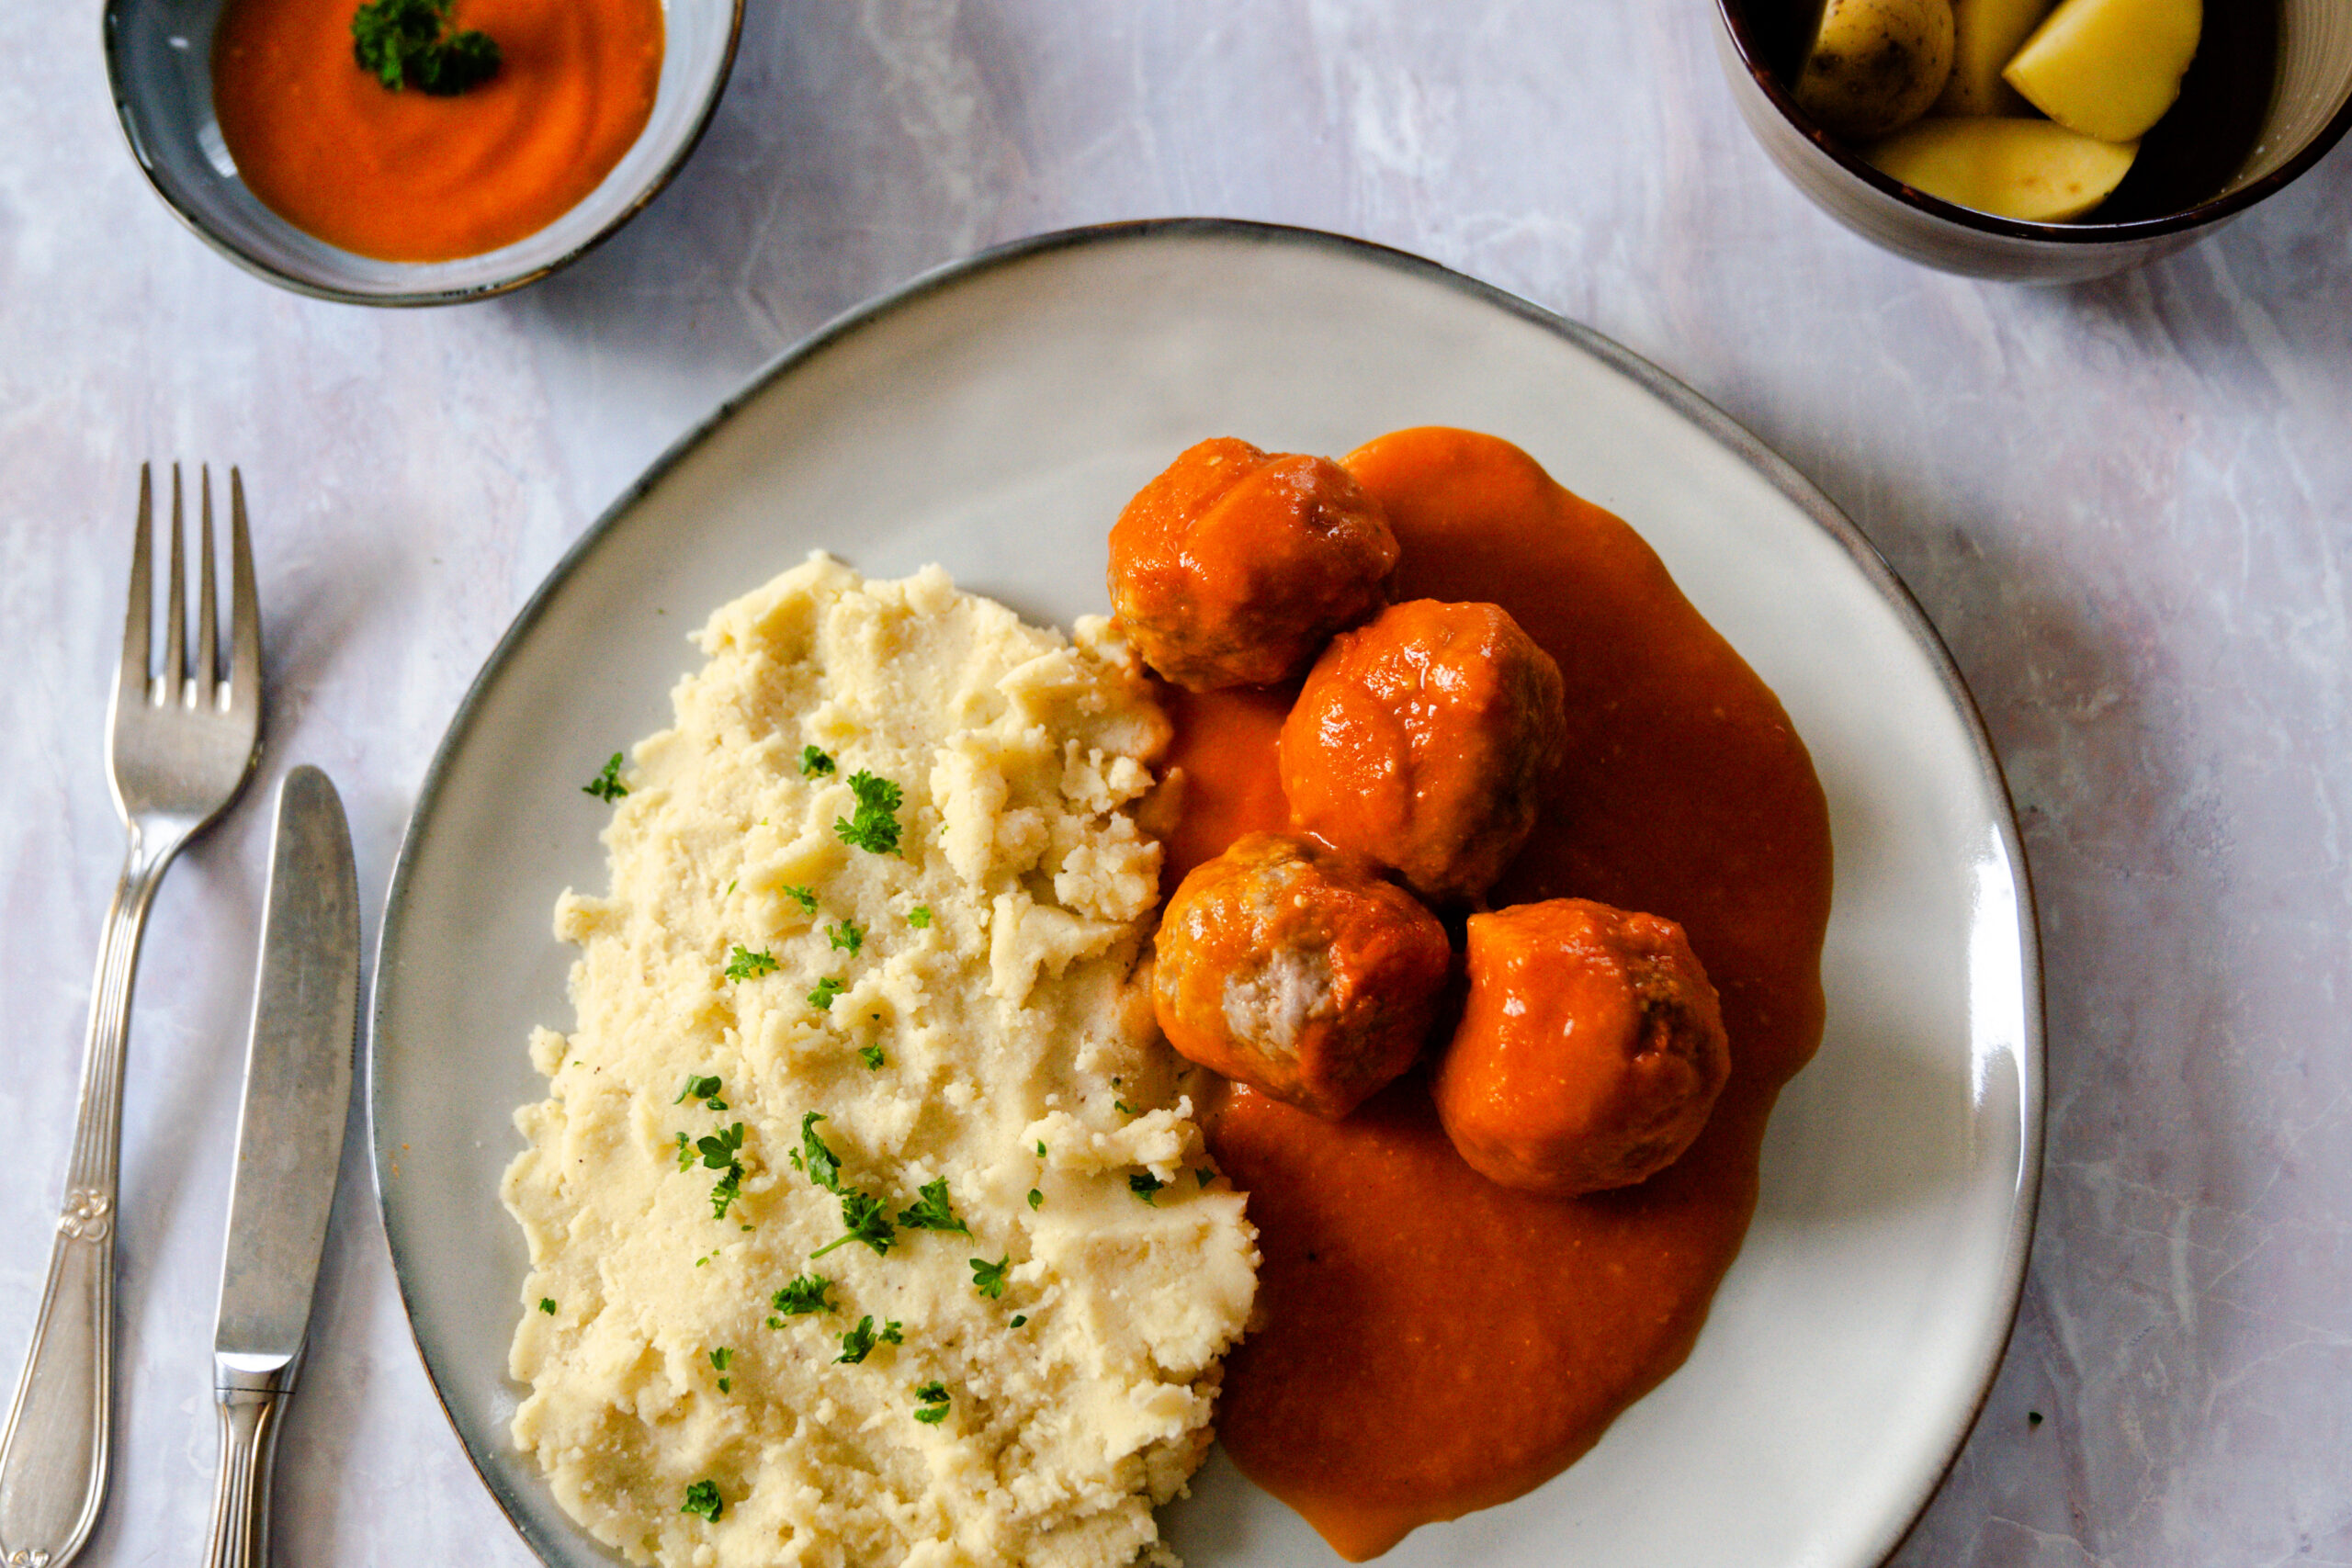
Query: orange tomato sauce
{"points": [[1434, 1343], [406, 177]]}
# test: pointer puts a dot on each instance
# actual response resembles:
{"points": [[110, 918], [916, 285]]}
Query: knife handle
{"points": [[248, 1423]]}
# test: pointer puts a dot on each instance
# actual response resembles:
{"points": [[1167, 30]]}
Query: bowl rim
{"points": [[1734, 15], [117, 89]]}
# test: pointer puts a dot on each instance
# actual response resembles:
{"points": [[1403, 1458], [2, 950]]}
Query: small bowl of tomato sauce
{"points": [[413, 151]]}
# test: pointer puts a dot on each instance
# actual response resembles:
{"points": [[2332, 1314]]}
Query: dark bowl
{"points": [[2269, 93]]}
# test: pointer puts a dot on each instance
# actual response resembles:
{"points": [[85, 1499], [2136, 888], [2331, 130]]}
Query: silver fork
{"points": [[181, 744]]}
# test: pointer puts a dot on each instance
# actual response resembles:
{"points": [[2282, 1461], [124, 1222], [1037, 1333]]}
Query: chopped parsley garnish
{"points": [[933, 1397], [1041, 1148], [1035, 1197], [719, 1151], [1019, 1318], [606, 787], [546, 1305], [864, 1218], [703, 1498], [875, 826], [823, 1167], [930, 1212], [806, 1295], [989, 1278], [859, 1342], [821, 999], [1143, 1184], [918, 917], [724, 1192], [744, 964], [1203, 1173], [685, 1153], [802, 896], [845, 934], [701, 1089], [1123, 1108], [814, 764], [719, 1359], [401, 42], [871, 1055]]}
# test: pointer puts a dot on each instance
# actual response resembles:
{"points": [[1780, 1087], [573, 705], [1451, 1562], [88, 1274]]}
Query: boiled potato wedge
{"points": [[2034, 170], [1985, 33], [1875, 65], [2108, 68]]}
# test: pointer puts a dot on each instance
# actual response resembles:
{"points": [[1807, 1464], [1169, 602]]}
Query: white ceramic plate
{"points": [[993, 417]]}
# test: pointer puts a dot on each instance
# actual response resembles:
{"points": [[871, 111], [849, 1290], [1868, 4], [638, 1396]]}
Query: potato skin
{"points": [[1591, 1051], [1876, 65], [1235, 566], [1299, 972], [1424, 741]]}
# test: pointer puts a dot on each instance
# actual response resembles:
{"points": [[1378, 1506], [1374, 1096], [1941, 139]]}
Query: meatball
{"points": [[1591, 1051], [1299, 972], [1235, 567], [1424, 741]]}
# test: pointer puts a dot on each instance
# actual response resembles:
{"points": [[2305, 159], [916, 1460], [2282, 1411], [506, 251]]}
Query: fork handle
{"points": [[248, 1422], [53, 1453]]}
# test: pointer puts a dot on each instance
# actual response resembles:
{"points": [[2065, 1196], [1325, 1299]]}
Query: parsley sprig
{"points": [[859, 1342], [989, 1278], [703, 1498], [414, 41], [815, 1159], [606, 785], [745, 965], [807, 1294], [719, 1151], [865, 1219], [931, 1211], [703, 1089], [874, 827]]}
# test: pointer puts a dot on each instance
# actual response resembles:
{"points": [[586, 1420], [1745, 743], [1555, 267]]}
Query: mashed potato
{"points": [[1015, 1354]]}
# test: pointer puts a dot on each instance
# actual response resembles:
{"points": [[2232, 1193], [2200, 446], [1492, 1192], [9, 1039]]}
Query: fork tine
{"points": [[176, 617], [244, 607], [207, 634], [138, 620]]}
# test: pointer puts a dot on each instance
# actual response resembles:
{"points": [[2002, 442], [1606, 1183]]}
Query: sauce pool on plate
{"points": [[404, 175], [1431, 1342]]}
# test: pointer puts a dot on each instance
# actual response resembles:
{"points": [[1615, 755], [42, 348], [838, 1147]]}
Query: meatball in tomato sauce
{"points": [[1299, 972], [1589, 1053], [1235, 567], [1424, 741]]}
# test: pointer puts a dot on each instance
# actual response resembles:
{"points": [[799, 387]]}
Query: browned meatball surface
{"points": [[1298, 971], [1423, 741], [1235, 566], [1591, 1051]]}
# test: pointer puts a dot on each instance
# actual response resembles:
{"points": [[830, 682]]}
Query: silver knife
{"points": [[290, 1145]]}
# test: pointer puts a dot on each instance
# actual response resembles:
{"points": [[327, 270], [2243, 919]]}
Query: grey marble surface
{"points": [[2125, 506]]}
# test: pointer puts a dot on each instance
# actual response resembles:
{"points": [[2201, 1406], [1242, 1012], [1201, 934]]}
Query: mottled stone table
{"points": [[2125, 505]]}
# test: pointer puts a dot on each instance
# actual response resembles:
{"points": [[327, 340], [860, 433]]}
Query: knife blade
{"points": [[289, 1146]]}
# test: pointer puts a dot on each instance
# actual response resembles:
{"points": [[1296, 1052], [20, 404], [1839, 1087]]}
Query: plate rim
{"points": [[1677, 396]]}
